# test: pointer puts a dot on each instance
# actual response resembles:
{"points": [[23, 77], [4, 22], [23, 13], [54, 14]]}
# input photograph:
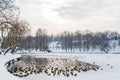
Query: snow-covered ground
{"points": [[4, 74], [109, 62]]}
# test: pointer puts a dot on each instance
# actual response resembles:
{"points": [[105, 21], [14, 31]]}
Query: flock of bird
{"points": [[25, 66]]}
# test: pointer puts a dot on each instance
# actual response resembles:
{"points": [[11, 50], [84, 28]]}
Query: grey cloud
{"points": [[79, 9], [34, 2], [90, 14], [38, 2]]}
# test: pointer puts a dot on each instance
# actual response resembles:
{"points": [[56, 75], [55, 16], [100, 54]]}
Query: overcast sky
{"points": [[71, 15]]}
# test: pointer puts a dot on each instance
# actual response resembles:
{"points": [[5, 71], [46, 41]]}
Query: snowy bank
{"points": [[4, 74]]}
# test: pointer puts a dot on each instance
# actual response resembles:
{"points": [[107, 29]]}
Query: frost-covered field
{"points": [[109, 62]]}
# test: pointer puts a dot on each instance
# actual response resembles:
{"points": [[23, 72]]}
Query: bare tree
{"points": [[41, 39], [8, 14], [15, 36], [78, 37], [88, 38], [64, 39]]}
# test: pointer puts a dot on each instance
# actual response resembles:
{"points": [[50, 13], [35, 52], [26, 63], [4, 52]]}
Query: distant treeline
{"points": [[87, 40], [69, 41]]}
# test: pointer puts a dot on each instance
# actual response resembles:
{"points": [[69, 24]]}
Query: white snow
{"points": [[109, 62], [4, 74]]}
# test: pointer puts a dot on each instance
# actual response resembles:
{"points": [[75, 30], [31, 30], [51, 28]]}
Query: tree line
{"points": [[71, 41], [87, 40]]}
